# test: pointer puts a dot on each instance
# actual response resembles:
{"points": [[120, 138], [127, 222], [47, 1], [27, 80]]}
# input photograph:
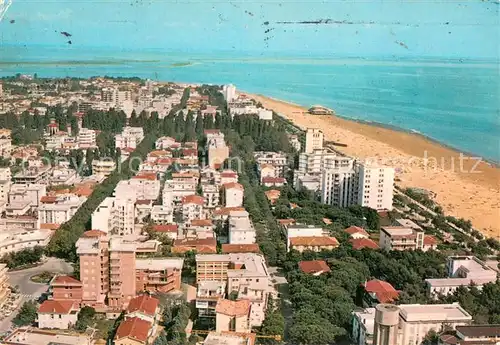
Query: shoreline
{"points": [[491, 162], [464, 188]]}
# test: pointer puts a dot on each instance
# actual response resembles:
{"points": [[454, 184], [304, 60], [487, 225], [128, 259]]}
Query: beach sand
{"points": [[468, 190]]}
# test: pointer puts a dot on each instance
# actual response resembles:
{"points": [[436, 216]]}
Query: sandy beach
{"points": [[465, 188]]}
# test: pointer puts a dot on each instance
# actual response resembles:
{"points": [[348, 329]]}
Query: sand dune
{"points": [[464, 187]]}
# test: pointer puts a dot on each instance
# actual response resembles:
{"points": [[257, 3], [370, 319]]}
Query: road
{"points": [[281, 285], [30, 290]]}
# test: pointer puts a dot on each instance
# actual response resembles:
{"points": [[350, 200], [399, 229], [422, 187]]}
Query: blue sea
{"points": [[455, 102]]}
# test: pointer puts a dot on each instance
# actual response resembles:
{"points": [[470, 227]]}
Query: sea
{"points": [[453, 101]]}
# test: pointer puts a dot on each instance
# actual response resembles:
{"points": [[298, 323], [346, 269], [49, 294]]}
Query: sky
{"points": [[404, 28]]}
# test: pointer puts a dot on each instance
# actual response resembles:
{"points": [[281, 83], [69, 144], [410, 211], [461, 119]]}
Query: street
{"points": [[30, 290]]}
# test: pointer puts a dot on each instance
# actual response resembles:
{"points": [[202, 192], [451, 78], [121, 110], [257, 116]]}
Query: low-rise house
{"points": [[314, 267], [232, 316], [57, 314], [356, 232], [361, 243], [401, 238], [33, 336], [170, 230], [472, 335], [143, 307], [462, 271], [223, 213], [230, 338], [272, 195], [378, 291], [273, 181], [430, 242], [133, 331], [313, 243]]}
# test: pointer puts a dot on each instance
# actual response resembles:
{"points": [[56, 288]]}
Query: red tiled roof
{"points": [[233, 308], [430, 240], [82, 191], [48, 199], [144, 304], [49, 226], [165, 228], [133, 328], [314, 266], [65, 280], [272, 194], [228, 173], [201, 222], [314, 241], [225, 211], [356, 230], [94, 233], [240, 248], [360, 243], [55, 307], [202, 246], [233, 185], [143, 202], [146, 176], [273, 180], [193, 199], [384, 291]]}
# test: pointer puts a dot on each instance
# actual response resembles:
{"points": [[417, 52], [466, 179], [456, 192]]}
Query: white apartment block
{"points": [[216, 147], [406, 324], [192, 208], [462, 271], [138, 188], [161, 214], [339, 185], [115, 215], [59, 209], [229, 92], [5, 184], [233, 195], [314, 140], [103, 167], [13, 241], [5, 148], [54, 314], [27, 193], [241, 229], [86, 138], [276, 159], [176, 190], [314, 163], [245, 274], [376, 186], [211, 194], [129, 138]]}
